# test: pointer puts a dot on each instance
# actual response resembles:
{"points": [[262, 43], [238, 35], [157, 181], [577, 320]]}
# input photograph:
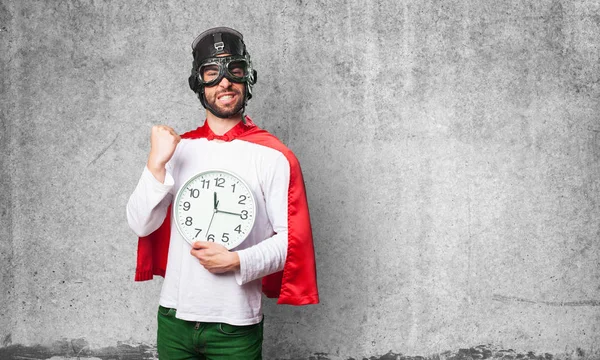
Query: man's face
{"points": [[226, 98]]}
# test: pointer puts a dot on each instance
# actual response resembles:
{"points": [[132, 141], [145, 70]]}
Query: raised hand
{"points": [[163, 142]]}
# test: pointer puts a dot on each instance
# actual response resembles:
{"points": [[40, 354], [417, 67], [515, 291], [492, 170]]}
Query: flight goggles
{"points": [[235, 68]]}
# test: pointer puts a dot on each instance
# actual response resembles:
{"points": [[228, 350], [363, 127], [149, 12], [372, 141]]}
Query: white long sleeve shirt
{"points": [[198, 295]]}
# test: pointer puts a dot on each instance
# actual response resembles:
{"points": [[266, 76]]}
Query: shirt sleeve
{"points": [[148, 204], [269, 256]]}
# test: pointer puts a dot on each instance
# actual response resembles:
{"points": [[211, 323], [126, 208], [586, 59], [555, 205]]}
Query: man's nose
{"points": [[224, 83]]}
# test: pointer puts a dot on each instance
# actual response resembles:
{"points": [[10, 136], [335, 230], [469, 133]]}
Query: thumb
{"points": [[199, 245]]}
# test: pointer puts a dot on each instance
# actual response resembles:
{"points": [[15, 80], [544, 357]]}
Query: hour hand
{"points": [[216, 202]]}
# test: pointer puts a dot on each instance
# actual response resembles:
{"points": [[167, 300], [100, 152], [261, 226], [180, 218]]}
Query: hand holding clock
{"points": [[215, 257], [163, 142]]}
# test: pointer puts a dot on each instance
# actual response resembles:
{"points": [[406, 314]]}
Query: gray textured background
{"points": [[451, 153]]}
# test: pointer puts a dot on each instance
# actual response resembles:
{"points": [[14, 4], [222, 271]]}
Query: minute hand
{"points": [[227, 212]]}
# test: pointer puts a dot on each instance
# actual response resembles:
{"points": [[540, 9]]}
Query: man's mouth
{"points": [[226, 98]]}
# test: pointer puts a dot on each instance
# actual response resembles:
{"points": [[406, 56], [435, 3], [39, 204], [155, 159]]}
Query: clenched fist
{"points": [[163, 142]]}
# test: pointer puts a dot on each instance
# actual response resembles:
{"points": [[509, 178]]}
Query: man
{"points": [[210, 303]]}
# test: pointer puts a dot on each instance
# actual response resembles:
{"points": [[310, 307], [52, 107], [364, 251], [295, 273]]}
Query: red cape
{"points": [[297, 283]]}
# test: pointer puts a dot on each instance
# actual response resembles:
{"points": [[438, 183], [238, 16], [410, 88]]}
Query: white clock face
{"points": [[215, 206]]}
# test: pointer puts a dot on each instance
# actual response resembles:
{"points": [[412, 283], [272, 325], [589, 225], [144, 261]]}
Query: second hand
{"points": [[210, 223]]}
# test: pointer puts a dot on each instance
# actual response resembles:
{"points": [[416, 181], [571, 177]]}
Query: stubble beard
{"points": [[225, 112]]}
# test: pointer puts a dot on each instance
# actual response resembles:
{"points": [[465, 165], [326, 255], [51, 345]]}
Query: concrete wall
{"points": [[451, 152]]}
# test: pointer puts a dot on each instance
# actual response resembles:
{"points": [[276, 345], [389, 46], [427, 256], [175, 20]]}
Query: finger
{"points": [[170, 129], [199, 245], [174, 134], [199, 254], [162, 128]]}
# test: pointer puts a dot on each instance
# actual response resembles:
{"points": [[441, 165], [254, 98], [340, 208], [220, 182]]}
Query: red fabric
{"points": [[153, 250], [297, 283]]}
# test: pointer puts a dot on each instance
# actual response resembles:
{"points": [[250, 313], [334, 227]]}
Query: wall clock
{"points": [[217, 206]]}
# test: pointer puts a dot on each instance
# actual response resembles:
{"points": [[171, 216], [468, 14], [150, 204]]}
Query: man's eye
{"points": [[238, 72], [210, 74]]}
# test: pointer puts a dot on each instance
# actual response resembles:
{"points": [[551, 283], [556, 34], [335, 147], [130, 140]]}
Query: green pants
{"points": [[179, 339]]}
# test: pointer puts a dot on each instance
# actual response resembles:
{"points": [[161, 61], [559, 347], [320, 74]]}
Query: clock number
{"points": [[233, 186], [219, 182], [194, 193], [198, 233], [205, 183], [186, 206], [238, 229], [242, 200], [225, 237], [244, 215], [210, 237], [188, 221]]}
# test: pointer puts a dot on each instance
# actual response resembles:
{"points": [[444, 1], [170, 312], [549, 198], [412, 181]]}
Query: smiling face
{"points": [[226, 98]]}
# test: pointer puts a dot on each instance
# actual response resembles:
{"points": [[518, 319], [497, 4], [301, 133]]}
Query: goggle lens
{"points": [[209, 72], [238, 69]]}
